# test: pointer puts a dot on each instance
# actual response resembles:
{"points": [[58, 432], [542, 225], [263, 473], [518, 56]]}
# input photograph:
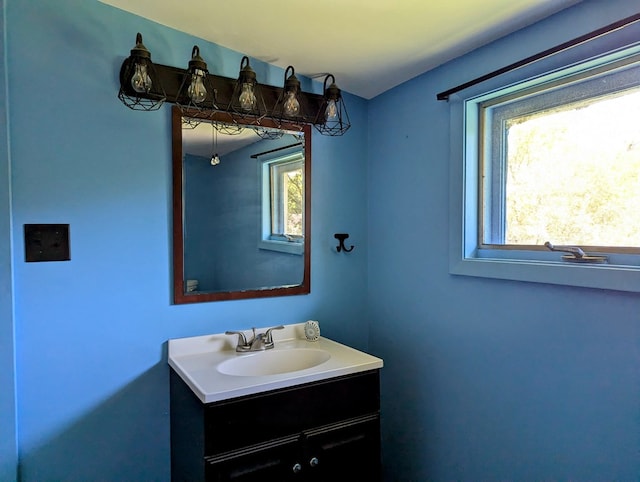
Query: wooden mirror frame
{"points": [[180, 296]]}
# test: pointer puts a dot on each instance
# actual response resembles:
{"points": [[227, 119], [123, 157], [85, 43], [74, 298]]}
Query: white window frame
{"points": [[466, 254], [267, 240]]}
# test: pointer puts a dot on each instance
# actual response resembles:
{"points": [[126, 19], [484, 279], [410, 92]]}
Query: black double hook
{"points": [[341, 247]]}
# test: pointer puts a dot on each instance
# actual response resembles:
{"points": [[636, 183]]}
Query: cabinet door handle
{"points": [[314, 462], [297, 468]]}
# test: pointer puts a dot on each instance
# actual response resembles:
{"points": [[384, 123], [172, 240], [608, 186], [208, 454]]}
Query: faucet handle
{"points": [[268, 336], [242, 339]]}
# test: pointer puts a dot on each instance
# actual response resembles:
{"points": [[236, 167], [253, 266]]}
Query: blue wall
{"points": [[92, 379], [487, 379], [8, 442]]}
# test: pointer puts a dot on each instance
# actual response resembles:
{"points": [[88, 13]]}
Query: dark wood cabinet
{"points": [[275, 462], [348, 452], [321, 431]]}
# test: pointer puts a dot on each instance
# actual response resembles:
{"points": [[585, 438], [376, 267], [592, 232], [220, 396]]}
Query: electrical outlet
{"points": [[46, 242]]}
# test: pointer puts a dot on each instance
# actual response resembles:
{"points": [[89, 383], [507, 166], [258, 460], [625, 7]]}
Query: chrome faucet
{"points": [[259, 342]]}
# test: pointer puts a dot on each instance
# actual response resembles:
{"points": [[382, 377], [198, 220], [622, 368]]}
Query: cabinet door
{"points": [[254, 419], [346, 452], [276, 462]]}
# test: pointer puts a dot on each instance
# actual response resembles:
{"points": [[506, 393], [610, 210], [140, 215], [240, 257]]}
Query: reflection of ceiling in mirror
{"points": [[199, 140]]}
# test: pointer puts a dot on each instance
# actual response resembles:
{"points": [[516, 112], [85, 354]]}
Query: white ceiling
{"points": [[368, 45]]}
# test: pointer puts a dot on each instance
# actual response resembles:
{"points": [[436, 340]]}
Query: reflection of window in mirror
{"points": [[283, 203]]}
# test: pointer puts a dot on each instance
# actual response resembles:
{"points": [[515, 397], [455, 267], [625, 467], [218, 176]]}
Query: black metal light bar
{"points": [[542, 55], [167, 83], [171, 79]]}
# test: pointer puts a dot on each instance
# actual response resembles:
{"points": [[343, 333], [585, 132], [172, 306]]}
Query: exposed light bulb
{"points": [[291, 105], [215, 158], [196, 91], [247, 97], [331, 112], [140, 81]]}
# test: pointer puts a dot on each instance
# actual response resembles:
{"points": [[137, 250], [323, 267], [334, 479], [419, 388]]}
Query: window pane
{"points": [[293, 204], [573, 174], [287, 199]]}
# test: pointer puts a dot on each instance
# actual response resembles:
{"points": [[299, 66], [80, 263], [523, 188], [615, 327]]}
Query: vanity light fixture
{"points": [[332, 118], [140, 86], [242, 102], [288, 107], [289, 103], [246, 100], [196, 91]]}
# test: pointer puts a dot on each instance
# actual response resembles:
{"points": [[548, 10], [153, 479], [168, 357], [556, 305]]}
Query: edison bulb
{"points": [[140, 81], [215, 159], [247, 98], [196, 91], [291, 105], [331, 112]]}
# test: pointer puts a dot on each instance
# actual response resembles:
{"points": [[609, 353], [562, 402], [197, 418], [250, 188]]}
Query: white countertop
{"points": [[196, 359]]}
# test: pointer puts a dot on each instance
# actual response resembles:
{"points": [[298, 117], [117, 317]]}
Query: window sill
{"points": [[282, 246], [601, 276]]}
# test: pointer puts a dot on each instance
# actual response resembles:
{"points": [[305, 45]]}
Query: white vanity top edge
{"points": [[195, 360]]}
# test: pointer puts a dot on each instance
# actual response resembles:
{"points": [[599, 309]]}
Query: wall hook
{"points": [[341, 237]]}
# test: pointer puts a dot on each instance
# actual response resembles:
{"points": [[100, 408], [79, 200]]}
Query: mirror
{"points": [[241, 226]]}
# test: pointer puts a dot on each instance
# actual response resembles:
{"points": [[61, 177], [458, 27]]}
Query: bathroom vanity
{"points": [[262, 418]]}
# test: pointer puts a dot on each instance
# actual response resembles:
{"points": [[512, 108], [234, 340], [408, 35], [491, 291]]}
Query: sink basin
{"points": [[273, 362]]}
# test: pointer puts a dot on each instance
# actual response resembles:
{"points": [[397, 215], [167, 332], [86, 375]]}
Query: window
{"points": [[562, 164], [554, 158], [283, 204], [287, 201]]}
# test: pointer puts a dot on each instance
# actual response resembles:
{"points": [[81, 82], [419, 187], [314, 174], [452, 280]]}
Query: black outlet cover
{"points": [[46, 242]]}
